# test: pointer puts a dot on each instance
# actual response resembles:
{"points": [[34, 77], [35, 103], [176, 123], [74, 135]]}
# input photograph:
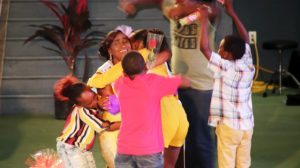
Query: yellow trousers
{"points": [[108, 147], [108, 141], [234, 147]]}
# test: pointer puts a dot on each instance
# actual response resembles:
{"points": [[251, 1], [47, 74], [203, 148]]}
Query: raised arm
{"points": [[204, 41], [186, 7], [237, 22], [130, 6]]}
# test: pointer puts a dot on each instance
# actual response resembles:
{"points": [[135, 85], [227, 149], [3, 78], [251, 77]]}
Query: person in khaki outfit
{"points": [[231, 105]]}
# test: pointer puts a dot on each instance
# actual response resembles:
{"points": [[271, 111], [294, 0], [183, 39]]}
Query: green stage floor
{"points": [[276, 141]]}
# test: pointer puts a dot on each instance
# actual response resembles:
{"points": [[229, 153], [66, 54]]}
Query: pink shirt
{"points": [[141, 128]]}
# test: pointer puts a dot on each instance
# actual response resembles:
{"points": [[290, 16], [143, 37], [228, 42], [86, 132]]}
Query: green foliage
{"points": [[72, 35]]}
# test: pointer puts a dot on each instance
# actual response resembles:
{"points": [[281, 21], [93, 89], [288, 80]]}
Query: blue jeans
{"points": [[200, 145], [144, 161]]}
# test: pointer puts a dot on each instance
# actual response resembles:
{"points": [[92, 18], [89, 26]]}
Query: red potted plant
{"points": [[70, 38]]}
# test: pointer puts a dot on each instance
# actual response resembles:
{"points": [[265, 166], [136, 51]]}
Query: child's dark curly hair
{"points": [[235, 45], [133, 63], [139, 35]]}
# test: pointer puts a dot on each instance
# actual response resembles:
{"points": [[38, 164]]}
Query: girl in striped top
{"points": [[78, 135]]}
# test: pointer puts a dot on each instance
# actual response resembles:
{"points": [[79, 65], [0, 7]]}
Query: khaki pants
{"points": [[234, 147]]}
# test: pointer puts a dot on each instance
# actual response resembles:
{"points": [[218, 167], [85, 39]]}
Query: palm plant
{"points": [[71, 37]]}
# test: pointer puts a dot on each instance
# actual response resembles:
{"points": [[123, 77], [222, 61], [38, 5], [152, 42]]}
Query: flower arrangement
{"points": [[46, 158], [154, 42]]}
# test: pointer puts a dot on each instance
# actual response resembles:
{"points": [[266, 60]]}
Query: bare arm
{"points": [[114, 126], [183, 9], [204, 41], [239, 25], [130, 6], [185, 83], [162, 57]]}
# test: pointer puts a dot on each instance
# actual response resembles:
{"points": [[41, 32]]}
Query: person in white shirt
{"points": [[231, 105]]}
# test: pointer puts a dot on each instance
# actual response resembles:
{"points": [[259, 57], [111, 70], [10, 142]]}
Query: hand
{"points": [[127, 7], [176, 12], [103, 103], [228, 7], [114, 126], [203, 12], [185, 83], [106, 124], [150, 65], [100, 115]]}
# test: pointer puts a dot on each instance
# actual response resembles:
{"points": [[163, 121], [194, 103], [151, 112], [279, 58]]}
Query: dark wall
{"points": [[272, 19]]}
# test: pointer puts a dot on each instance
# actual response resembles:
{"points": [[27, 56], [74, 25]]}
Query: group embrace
{"points": [[144, 112]]}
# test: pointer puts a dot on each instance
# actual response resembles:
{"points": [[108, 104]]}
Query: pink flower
{"points": [[46, 158], [152, 43]]}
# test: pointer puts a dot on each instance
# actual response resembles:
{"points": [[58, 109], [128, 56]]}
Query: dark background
{"points": [[271, 19]]}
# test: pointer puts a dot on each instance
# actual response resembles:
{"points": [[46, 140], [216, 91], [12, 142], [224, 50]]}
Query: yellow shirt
{"points": [[173, 114], [100, 80], [81, 127]]}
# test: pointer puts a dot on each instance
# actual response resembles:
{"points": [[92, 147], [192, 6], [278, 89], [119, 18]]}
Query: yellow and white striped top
{"points": [[81, 127]]}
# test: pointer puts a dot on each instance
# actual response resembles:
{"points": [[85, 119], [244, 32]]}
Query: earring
{"points": [[110, 57]]}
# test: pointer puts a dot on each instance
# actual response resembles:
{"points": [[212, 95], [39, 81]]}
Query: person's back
{"points": [[141, 131], [140, 95]]}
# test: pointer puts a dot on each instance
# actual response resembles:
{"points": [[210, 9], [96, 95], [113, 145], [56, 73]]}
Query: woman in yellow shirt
{"points": [[113, 47], [175, 124]]}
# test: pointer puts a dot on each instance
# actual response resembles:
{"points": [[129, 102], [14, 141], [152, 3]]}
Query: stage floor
{"points": [[276, 140]]}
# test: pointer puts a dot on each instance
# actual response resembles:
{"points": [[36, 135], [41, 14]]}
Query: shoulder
{"points": [[247, 49], [79, 109], [151, 76], [215, 58], [144, 52], [119, 82], [76, 108], [151, 79], [104, 67]]}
